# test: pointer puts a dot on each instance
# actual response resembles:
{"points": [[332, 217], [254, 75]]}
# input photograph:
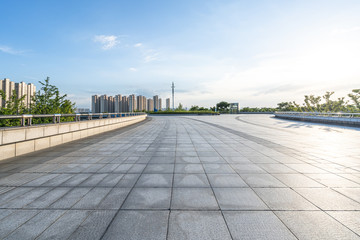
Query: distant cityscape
{"points": [[131, 103], [21, 89]]}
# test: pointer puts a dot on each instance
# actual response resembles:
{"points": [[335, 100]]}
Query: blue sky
{"points": [[257, 53]]}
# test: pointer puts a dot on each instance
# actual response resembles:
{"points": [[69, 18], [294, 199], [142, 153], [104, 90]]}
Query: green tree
{"points": [[223, 106], [49, 101], [180, 107], [328, 102], [13, 106], [194, 108], [355, 97], [286, 106]]}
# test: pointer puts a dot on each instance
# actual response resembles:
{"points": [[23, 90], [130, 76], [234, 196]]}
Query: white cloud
{"points": [[132, 69], [10, 50], [107, 42], [137, 45], [151, 55]]}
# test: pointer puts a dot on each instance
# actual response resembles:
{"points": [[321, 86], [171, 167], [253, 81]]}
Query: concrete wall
{"points": [[351, 122], [22, 140]]}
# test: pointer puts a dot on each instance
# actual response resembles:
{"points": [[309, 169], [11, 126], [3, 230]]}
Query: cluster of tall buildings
{"points": [[131, 103], [21, 89]]}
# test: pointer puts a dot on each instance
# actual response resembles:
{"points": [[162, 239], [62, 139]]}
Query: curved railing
{"points": [[350, 119], [26, 119], [320, 114]]}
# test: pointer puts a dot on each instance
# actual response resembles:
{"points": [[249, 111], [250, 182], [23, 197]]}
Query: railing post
{"points": [[23, 120]]}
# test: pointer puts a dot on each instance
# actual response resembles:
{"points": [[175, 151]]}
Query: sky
{"points": [[257, 53]]}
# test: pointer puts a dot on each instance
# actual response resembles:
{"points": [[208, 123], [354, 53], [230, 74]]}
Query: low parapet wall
{"points": [[344, 121], [21, 140]]}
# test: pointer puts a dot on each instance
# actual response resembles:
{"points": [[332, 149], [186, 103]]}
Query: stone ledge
{"points": [[19, 141], [351, 122]]}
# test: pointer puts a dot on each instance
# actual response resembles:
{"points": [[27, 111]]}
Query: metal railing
{"points": [[26, 119], [320, 114]]}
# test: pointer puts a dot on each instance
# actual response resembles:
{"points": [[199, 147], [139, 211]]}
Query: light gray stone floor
{"points": [[193, 177]]}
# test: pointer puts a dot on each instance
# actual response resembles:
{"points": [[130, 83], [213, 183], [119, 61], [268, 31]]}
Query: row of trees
{"points": [[311, 103], [47, 100], [324, 103]]}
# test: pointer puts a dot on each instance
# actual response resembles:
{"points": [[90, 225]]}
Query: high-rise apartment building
{"points": [[104, 105], [141, 103], [168, 104], [156, 103], [21, 89], [150, 105], [160, 104], [125, 104], [111, 104], [95, 104], [132, 103], [117, 103]]}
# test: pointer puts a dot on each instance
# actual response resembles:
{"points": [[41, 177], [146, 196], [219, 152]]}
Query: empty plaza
{"points": [[189, 177]]}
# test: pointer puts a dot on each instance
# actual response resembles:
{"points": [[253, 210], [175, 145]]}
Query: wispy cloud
{"points": [[132, 69], [151, 55], [137, 45], [10, 50], [107, 41]]}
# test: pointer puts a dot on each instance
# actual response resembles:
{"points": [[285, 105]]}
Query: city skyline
{"points": [[131, 103], [257, 53]]}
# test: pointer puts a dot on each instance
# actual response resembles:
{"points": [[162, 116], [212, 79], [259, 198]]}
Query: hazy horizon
{"points": [[257, 53]]}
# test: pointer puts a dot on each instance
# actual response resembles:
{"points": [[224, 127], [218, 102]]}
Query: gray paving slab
{"points": [[114, 199], [315, 225], [159, 168], [15, 220], [191, 180], [194, 199], [110, 180], [218, 168], [94, 225], [261, 180], [328, 199], [239, 199], [148, 198], [189, 168], [138, 225], [187, 159], [155, 180], [256, 225], [298, 181], [65, 225], [92, 199], [70, 198], [76, 180], [36, 225], [247, 168], [350, 219], [128, 180], [48, 198], [197, 225], [226, 180], [25, 199], [283, 199]]}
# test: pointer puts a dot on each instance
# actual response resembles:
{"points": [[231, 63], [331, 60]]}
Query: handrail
{"points": [[77, 116], [321, 114]]}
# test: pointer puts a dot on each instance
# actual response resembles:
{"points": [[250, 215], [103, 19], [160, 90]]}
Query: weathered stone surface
{"points": [[198, 177]]}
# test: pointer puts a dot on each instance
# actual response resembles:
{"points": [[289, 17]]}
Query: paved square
{"points": [[189, 177]]}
